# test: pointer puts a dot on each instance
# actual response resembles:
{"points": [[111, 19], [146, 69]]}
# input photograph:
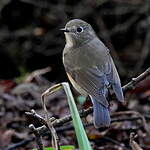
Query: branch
{"points": [[131, 85], [38, 137]]}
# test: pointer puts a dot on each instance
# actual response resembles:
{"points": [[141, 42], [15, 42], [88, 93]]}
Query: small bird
{"points": [[90, 68]]}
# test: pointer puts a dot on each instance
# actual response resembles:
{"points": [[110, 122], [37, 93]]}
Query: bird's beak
{"points": [[64, 30]]}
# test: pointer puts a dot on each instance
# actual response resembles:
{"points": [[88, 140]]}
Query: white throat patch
{"points": [[69, 40]]}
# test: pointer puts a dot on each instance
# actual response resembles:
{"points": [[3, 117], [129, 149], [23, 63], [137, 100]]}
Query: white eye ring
{"points": [[79, 29]]}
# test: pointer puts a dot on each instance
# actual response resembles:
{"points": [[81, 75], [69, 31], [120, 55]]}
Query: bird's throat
{"points": [[70, 42]]}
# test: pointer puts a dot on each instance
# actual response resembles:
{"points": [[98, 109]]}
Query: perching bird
{"points": [[90, 68]]}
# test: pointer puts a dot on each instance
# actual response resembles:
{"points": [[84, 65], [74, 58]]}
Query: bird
{"points": [[90, 68]]}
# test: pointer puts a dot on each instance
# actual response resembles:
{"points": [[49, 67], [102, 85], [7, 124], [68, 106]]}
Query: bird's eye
{"points": [[79, 29]]}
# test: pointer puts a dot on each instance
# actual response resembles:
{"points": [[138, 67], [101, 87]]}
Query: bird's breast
{"points": [[91, 54]]}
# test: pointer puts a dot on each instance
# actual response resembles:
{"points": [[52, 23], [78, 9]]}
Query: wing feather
{"points": [[93, 82]]}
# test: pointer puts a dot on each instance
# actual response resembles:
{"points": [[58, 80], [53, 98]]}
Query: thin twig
{"points": [[132, 84], [48, 124], [38, 137], [84, 113]]}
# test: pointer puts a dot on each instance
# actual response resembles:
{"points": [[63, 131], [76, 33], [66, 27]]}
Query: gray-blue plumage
{"points": [[101, 115], [91, 69]]}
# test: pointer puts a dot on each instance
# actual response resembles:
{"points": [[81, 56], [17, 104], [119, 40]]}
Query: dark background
{"points": [[30, 38]]}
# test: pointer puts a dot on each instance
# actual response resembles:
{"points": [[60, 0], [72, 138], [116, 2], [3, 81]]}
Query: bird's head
{"points": [[78, 32]]}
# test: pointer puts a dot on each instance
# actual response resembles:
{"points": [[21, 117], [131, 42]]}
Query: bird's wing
{"points": [[114, 80], [93, 82], [104, 62]]}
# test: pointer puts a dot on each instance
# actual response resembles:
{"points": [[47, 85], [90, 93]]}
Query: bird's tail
{"points": [[101, 116]]}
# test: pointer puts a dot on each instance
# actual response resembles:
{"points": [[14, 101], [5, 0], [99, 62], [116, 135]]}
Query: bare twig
{"points": [[57, 122], [37, 118], [48, 124], [38, 137], [36, 74], [132, 84], [84, 113]]}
